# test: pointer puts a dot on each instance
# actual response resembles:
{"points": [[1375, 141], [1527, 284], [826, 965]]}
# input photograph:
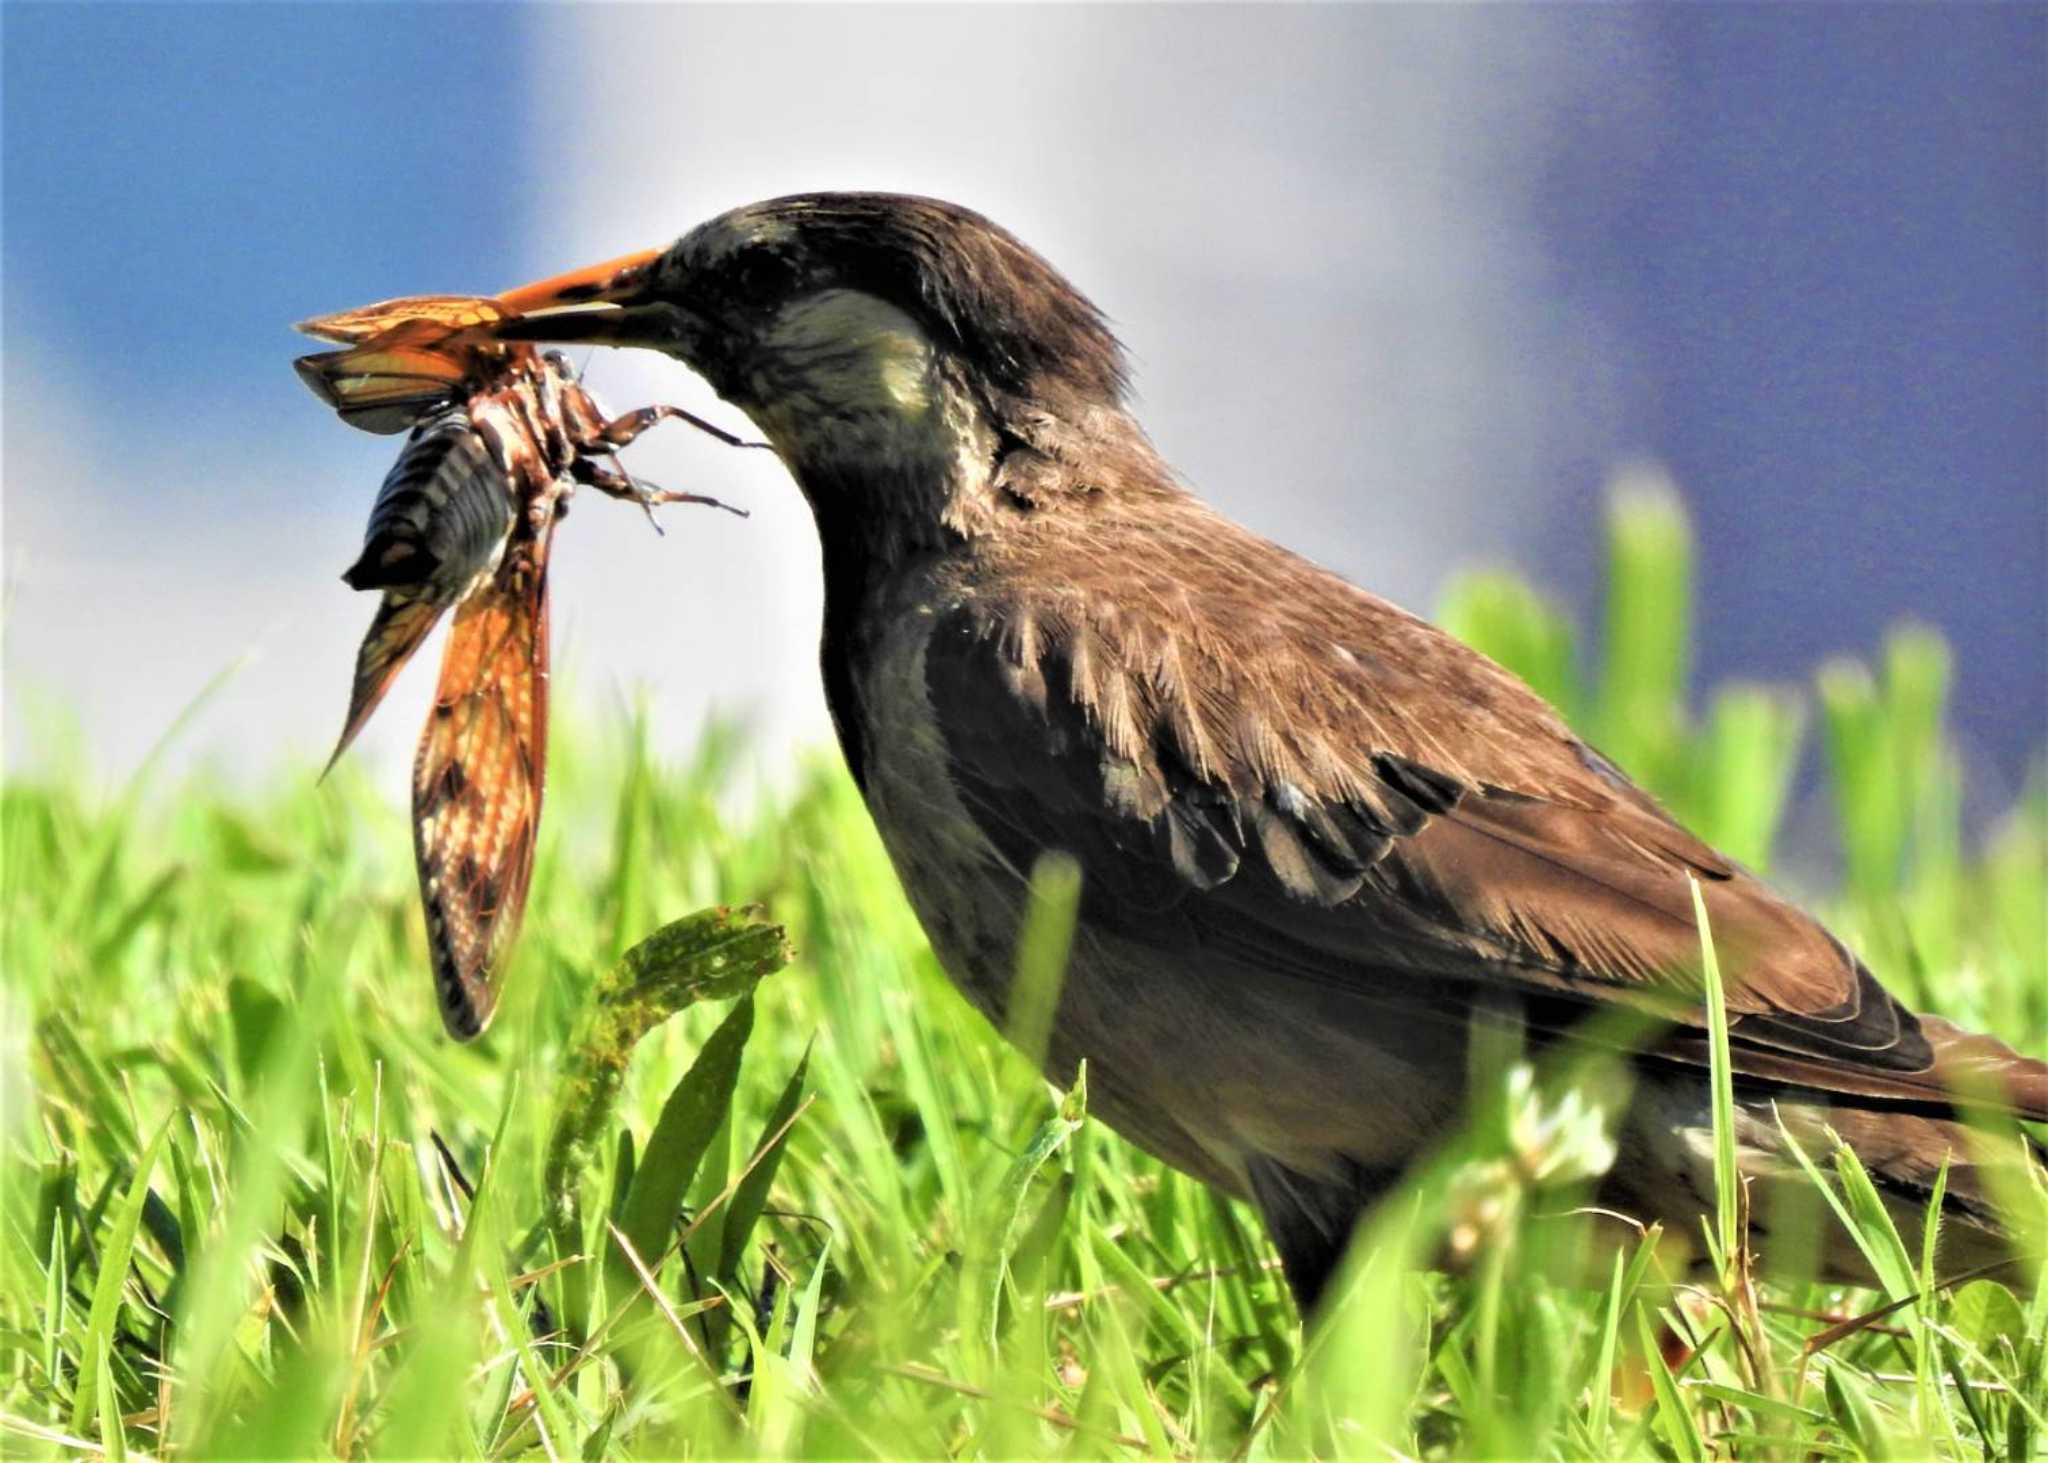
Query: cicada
{"points": [[501, 435]]}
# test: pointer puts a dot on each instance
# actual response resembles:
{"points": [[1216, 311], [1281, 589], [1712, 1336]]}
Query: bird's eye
{"points": [[763, 276]]}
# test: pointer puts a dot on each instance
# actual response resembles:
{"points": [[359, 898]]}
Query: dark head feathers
{"points": [[997, 302]]}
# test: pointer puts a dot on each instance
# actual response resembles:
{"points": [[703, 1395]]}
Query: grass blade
{"points": [[94, 1393]]}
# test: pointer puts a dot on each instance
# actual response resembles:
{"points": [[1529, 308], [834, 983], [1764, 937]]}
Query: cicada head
{"points": [[406, 358]]}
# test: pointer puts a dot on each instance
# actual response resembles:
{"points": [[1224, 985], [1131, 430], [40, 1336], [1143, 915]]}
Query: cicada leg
{"points": [[609, 478], [621, 430]]}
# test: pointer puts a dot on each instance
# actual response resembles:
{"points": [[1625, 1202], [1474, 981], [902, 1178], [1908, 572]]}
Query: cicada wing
{"points": [[477, 782], [449, 312], [383, 389], [402, 622]]}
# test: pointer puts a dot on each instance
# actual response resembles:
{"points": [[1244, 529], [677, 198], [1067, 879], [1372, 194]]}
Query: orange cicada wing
{"points": [[447, 313], [403, 620], [384, 389], [477, 783]]}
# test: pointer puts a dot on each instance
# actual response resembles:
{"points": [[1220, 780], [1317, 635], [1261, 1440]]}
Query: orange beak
{"points": [[612, 282], [612, 303]]}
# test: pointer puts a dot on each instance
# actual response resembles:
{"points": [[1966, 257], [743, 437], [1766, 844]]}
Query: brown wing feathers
{"points": [[1340, 791]]}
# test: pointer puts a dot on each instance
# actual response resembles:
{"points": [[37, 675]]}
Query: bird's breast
{"points": [[1199, 1065], [967, 896]]}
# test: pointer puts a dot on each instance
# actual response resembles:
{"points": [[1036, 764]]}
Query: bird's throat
{"points": [[883, 431], [893, 450]]}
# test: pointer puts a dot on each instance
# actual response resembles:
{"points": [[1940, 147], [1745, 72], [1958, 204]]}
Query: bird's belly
{"points": [[1204, 1067]]}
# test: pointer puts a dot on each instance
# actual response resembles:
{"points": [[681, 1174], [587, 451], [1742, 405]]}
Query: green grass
{"points": [[839, 1216]]}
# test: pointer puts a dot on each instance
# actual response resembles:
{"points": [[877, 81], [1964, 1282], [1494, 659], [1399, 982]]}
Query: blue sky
{"points": [[181, 181], [1402, 285]]}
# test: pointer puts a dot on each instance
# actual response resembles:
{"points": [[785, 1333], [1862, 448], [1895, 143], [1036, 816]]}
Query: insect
{"points": [[501, 435]]}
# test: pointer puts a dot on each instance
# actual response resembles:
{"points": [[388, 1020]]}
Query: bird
{"points": [[1322, 843]]}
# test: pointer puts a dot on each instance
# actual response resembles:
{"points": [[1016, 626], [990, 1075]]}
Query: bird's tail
{"points": [[1982, 1071], [1992, 1178]]}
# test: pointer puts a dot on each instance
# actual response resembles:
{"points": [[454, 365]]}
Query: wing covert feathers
{"points": [[1315, 783]]}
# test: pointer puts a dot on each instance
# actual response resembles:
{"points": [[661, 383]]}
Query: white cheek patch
{"points": [[853, 354]]}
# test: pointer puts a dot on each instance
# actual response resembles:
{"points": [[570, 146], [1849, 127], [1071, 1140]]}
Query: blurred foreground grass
{"points": [[860, 1225]]}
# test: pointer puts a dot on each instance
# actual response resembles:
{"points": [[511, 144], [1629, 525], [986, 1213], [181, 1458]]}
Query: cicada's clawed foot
{"points": [[647, 495], [622, 430], [613, 481]]}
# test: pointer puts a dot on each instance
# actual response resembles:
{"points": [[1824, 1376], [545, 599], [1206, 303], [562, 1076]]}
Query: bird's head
{"points": [[874, 338]]}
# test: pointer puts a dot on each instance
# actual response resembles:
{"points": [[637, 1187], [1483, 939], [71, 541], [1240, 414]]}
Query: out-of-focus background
{"points": [[1403, 286]]}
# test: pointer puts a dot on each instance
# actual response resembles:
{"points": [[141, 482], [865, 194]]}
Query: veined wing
{"points": [[477, 782], [405, 359], [446, 313], [384, 388], [403, 620]]}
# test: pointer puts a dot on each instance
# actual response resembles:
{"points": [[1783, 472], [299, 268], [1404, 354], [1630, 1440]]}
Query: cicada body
{"points": [[502, 434], [437, 533]]}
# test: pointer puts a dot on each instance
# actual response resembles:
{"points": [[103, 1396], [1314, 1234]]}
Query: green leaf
{"points": [[1852, 1412], [1750, 752], [1873, 806], [624, 1161], [254, 1014], [1003, 1219], [549, 1413], [714, 954], [1876, 1233], [696, 1107], [293, 1414], [1602, 1382], [1674, 1419], [628, 877], [92, 1393], [1055, 898], [138, 913], [1866, 1228], [424, 1416], [1987, 1314], [112, 1436], [750, 1194], [1757, 1403], [86, 1077], [1728, 1238], [1647, 628]]}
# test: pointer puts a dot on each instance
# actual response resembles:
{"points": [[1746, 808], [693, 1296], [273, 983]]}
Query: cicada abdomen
{"points": [[441, 517], [436, 533]]}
